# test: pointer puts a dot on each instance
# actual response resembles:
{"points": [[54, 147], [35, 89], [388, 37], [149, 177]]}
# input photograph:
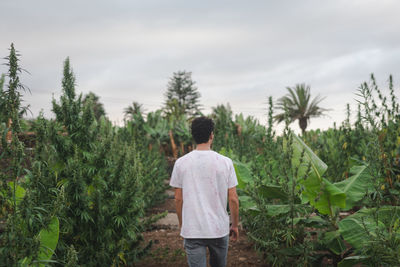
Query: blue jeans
{"points": [[196, 251]]}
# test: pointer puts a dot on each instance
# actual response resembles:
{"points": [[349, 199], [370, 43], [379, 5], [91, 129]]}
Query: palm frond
{"points": [[298, 105]]}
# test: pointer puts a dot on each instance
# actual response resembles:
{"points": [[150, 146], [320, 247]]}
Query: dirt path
{"points": [[168, 251]]}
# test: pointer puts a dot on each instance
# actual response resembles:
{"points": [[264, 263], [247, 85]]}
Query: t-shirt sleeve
{"points": [[232, 180], [176, 178]]}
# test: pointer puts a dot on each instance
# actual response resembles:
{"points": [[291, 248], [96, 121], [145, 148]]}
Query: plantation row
{"points": [[331, 196], [81, 197]]}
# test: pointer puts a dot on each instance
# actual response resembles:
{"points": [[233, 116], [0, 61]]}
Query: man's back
{"points": [[204, 180], [205, 177]]}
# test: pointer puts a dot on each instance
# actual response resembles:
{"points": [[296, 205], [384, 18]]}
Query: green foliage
{"points": [[273, 182], [356, 187], [94, 101], [133, 110], [23, 218], [375, 234], [48, 239], [86, 177], [2, 100], [224, 127], [106, 185], [243, 135], [182, 96], [157, 129], [270, 204]]}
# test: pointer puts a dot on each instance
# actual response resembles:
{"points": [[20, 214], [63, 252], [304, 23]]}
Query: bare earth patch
{"points": [[168, 251]]}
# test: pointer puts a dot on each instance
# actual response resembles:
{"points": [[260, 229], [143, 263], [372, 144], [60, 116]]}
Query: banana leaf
{"points": [[275, 210], [357, 229], [272, 192], [48, 241], [243, 174], [353, 261], [247, 204], [318, 167], [356, 186], [321, 193], [19, 193], [333, 241], [314, 221]]}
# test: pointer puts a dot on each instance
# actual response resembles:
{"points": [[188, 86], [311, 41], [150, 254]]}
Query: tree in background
{"points": [[98, 108], [297, 105], [182, 96], [224, 127], [132, 110]]}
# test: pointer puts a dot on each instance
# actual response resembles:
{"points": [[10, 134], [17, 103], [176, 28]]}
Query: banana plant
{"points": [[157, 128], [268, 191], [362, 228], [316, 191], [326, 197]]}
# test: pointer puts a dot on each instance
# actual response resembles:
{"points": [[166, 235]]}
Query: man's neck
{"points": [[204, 146]]}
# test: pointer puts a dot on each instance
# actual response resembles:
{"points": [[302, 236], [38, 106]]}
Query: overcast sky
{"points": [[239, 52]]}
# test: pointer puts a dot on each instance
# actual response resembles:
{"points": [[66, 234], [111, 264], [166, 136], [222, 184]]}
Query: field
{"points": [[78, 190]]}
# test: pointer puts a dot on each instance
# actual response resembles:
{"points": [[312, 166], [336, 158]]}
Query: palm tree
{"points": [[134, 109], [297, 105]]}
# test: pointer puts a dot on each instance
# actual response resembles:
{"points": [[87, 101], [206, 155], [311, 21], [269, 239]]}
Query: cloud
{"points": [[239, 52]]}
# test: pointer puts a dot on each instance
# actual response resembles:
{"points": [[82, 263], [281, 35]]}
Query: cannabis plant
{"points": [[30, 231]]}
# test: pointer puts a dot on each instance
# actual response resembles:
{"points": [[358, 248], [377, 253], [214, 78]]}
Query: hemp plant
{"points": [[16, 242]]}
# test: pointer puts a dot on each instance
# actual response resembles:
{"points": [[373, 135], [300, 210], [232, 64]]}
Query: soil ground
{"points": [[168, 251]]}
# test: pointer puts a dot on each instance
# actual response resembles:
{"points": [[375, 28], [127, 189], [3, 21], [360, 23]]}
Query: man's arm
{"points": [[234, 208], [178, 204]]}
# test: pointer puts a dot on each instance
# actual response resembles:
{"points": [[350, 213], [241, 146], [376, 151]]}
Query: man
{"points": [[203, 181]]}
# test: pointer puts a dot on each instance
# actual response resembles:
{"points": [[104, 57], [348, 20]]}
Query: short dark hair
{"points": [[202, 128]]}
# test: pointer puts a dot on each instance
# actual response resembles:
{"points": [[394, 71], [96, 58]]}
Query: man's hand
{"points": [[234, 233]]}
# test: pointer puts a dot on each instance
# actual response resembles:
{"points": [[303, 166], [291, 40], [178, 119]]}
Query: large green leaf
{"points": [[356, 229], [274, 210], [247, 204], [272, 192], [328, 197], [19, 193], [318, 167], [353, 261], [48, 240], [243, 174], [314, 222], [334, 242], [321, 193], [356, 186]]}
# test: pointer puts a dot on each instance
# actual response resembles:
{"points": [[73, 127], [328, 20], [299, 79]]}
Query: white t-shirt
{"points": [[204, 176]]}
